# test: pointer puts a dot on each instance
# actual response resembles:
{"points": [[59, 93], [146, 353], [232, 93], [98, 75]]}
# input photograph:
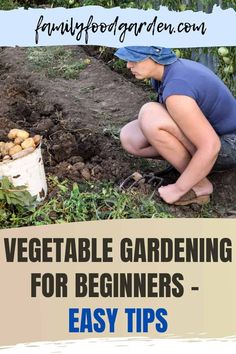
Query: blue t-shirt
{"points": [[186, 77]]}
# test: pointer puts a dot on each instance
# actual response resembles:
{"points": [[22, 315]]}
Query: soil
{"points": [[79, 120]]}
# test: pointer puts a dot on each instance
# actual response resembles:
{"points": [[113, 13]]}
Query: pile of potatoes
{"points": [[20, 144]]}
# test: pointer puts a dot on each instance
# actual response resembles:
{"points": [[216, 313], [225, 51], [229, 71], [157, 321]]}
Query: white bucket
{"points": [[29, 171]]}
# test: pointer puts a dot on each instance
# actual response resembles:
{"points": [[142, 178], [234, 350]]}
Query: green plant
{"points": [[112, 131], [227, 66], [73, 202], [8, 5], [152, 96], [56, 61], [14, 196], [118, 64], [179, 5]]}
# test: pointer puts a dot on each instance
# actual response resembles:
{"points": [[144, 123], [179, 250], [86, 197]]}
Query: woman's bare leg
{"points": [[166, 137], [156, 134], [134, 142]]}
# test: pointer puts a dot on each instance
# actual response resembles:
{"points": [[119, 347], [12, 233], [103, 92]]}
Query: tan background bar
{"points": [[209, 312]]}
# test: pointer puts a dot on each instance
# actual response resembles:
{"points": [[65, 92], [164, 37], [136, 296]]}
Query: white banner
{"points": [[115, 27]]}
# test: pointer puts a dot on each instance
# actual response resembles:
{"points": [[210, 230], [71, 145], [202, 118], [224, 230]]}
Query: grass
{"points": [[118, 65], [71, 202], [112, 132], [153, 96], [56, 62]]}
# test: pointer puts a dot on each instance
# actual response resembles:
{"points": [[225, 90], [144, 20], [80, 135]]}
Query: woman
{"points": [[192, 125]]}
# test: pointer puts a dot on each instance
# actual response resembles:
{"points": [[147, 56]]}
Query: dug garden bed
{"points": [[78, 104]]}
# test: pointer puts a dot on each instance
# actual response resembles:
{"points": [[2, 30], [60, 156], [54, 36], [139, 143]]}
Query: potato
{"points": [[18, 141], [28, 143], [4, 151], [14, 149], [8, 146], [22, 134], [12, 133], [22, 153], [2, 146], [37, 139]]}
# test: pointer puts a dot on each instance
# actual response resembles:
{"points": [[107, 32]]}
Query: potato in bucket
{"points": [[21, 161]]}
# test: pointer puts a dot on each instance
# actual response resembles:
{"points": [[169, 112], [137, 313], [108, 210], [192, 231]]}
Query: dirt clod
{"points": [[78, 166], [85, 173]]}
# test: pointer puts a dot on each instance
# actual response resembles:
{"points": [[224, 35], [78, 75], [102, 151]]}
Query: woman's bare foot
{"points": [[204, 187], [171, 193]]}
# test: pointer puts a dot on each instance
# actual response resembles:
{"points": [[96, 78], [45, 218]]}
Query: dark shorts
{"points": [[227, 155]]}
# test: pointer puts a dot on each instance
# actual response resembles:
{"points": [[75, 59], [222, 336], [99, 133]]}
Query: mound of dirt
{"points": [[79, 120], [73, 116]]}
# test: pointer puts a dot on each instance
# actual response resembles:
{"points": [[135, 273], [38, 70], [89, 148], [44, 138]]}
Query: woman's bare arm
{"points": [[190, 119]]}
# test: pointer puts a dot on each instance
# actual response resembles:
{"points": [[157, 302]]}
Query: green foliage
{"points": [[119, 65], [227, 66], [153, 96], [14, 196], [65, 3], [8, 4], [112, 132], [178, 5], [83, 203], [56, 61]]}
